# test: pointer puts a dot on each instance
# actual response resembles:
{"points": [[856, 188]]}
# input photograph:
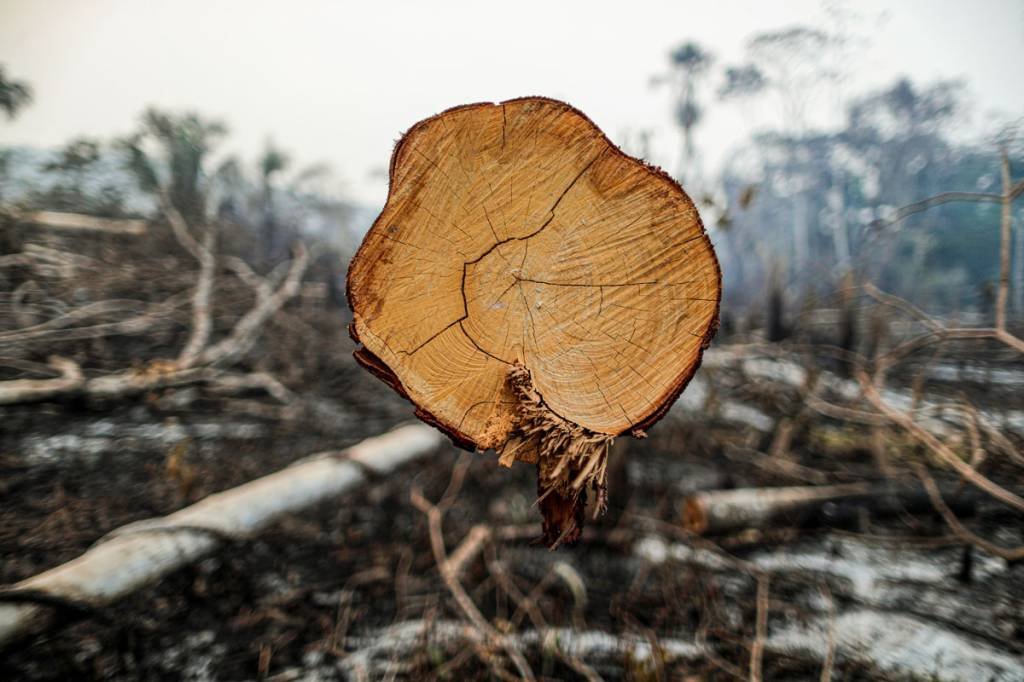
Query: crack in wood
{"points": [[498, 243], [582, 284]]}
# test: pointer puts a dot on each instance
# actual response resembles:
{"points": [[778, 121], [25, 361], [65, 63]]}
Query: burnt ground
{"points": [[897, 595]]}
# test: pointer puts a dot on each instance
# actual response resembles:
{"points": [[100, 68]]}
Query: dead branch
{"points": [[761, 629], [937, 447], [245, 273], [844, 413], [778, 465], [465, 603], [117, 385], [961, 531], [525, 603], [31, 390], [196, 356], [164, 375], [828, 664], [237, 383], [85, 312], [995, 436], [140, 553], [478, 537], [202, 320], [937, 200], [245, 332], [179, 225], [548, 635], [869, 634], [903, 306], [1017, 190], [63, 327], [161, 374], [468, 549], [891, 357], [1010, 192], [263, 287]]}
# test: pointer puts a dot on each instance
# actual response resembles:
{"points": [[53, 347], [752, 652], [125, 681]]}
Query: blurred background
{"points": [[181, 188]]}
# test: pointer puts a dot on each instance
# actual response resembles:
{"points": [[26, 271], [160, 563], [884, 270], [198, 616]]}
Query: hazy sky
{"points": [[339, 82]]}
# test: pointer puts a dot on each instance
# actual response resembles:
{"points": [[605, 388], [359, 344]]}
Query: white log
{"points": [[140, 553], [377, 650], [720, 511], [902, 646], [784, 372]]}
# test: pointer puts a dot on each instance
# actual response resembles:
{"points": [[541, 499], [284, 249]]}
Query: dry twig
{"points": [[465, 603], [761, 629], [961, 531]]}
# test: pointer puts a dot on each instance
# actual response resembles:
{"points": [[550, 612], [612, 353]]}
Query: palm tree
{"points": [[167, 155], [689, 65], [272, 162], [14, 95]]}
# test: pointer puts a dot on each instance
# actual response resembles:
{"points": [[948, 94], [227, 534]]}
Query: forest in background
{"points": [[809, 200], [814, 197]]}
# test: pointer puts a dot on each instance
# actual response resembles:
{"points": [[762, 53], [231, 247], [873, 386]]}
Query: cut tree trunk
{"points": [[533, 289]]}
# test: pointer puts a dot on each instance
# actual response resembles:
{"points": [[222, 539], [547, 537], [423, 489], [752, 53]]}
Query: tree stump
{"points": [[532, 289]]}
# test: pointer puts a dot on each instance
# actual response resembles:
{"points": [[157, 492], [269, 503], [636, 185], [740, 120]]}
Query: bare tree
{"points": [[689, 66]]}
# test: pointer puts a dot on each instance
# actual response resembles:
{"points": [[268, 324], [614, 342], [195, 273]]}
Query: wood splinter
{"points": [[532, 289]]}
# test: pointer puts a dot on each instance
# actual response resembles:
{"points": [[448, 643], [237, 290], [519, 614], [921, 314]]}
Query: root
{"points": [[569, 458]]}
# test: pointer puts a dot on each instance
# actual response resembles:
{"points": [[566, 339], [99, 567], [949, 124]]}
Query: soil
{"points": [[296, 602]]}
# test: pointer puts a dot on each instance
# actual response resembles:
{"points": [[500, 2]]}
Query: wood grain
{"points": [[517, 233]]}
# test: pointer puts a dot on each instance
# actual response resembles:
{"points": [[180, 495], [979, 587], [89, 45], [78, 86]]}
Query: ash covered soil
{"points": [[350, 589]]}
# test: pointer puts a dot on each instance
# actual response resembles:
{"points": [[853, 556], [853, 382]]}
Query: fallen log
{"points": [[894, 644], [714, 512], [199, 362], [141, 553], [73, 383], [377, 650], [78, 222]]}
